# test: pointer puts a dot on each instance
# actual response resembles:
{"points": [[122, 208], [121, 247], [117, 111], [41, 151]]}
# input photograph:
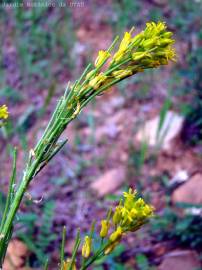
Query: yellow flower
{"points": [[168, 53], [150, 43], [129, 198], [96, 82], [117, 215], [165, 42], [153, 29], [139, 203], [67, 264], [122, 73], [137, 39], [104, 228], [122, 47], [147, 210], [140, 55], [86, 248], [132, 214], [116, 235], [125, 41], [167, 35], [102, 57], [3, 112]]}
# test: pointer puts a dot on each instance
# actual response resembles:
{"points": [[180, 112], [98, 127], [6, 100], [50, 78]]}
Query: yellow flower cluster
{"points": [[129, 216], [149, 49], [3, 112]]}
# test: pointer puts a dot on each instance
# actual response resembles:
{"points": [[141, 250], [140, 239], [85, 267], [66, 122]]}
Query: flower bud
{"points": [[116, 235], [96, 82], [86, 248], [140, 55], [117, 215], [119, 74], [104, 228], [3, 112], [102, 57]]}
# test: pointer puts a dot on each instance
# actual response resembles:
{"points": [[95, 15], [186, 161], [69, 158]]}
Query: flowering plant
{"points": [[3, 114], [129, 216], [150, 48]]}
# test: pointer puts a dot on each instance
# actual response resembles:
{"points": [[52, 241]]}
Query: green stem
{"points": [[62, 252], [11, 189]]}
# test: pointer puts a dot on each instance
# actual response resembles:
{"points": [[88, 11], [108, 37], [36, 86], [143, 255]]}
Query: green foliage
{"points": [[113, 260], [183, 229], [42, 40], [143, 262], [137, 157], [39, 241], [128, 13], [192, 132], [11, 94]]}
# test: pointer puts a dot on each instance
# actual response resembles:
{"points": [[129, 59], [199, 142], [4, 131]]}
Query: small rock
{"points": [[181, 259], [16, 255], [171, 127], [179, 178], [109, 181], [189, 192]]}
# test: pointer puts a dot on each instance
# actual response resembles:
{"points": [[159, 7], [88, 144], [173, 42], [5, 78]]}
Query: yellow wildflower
{"points": [[165, 42], [86, 248], [137, 39], [168, 53], [150, 43], [102, 57], [104, 228], [116, 235], [67, 263], [147, 210], [117, 215], [96, 82], [3, 112], [129, 198], [132, 214], [123, 47], [167, 34], [139, 203], [125, 41], [153, 29], [122, 73], [140, 55]]}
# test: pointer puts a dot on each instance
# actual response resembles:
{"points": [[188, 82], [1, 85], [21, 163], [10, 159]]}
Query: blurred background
{"points": [[145, 133]]}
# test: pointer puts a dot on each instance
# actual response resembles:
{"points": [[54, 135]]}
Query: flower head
{"points": [[97, 80], [86, 248], [3, 112], [152, 44], [102, 57], [122, 73], [122, 47], [104, 228], [116, 235]]}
